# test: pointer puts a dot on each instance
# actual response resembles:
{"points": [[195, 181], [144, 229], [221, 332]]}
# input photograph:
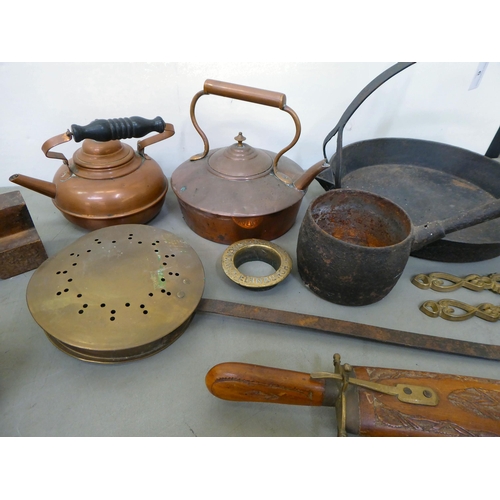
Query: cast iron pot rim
{"points": [[333, 192]]}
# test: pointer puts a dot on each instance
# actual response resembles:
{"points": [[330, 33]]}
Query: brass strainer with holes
{"points": [[117, 294]]}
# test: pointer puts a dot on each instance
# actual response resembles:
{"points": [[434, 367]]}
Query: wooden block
{"points": [[21, 249]]}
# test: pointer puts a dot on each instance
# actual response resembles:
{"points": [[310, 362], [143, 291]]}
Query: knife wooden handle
{"points": [[467, 406], [261, 384]]}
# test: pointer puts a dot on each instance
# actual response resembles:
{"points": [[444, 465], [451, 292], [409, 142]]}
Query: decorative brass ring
{"points": [[251, 250]]}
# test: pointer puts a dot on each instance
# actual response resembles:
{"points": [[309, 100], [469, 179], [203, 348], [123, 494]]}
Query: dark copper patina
{"points": [[239, 192]]}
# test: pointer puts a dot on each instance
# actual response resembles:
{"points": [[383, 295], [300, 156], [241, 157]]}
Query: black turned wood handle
{"points": [[117, 128]]}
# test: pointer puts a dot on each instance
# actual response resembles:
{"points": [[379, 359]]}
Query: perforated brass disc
{"points": [[117, 294]]}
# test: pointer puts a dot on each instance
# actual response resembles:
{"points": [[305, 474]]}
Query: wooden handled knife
{"points": [[372, 401]]}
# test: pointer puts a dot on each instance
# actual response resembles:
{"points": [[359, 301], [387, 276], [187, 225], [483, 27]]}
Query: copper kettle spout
{"points": [[310, 174], [42, 187]]}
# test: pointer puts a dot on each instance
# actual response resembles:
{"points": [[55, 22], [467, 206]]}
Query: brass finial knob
{"points": [[240, 138]]}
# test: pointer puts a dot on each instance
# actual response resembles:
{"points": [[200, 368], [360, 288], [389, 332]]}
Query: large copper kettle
{"points": [[238, 192], [106, 182]]}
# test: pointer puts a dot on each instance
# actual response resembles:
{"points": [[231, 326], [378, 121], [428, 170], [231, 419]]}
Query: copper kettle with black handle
{"points": [[106, 182]]}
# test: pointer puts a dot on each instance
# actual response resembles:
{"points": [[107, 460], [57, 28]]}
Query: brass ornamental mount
{"points": [[412, 394], [251, 250], [444, 282], [455, 310]]}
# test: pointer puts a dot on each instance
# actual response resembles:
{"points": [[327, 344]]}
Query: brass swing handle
{"points": [[104, 130], [249, 94]]}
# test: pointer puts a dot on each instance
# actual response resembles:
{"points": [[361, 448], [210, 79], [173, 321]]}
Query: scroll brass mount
{"points": [[455, 310], [413, 394], [444, 282]]}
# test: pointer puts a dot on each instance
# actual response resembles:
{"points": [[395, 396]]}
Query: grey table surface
{"points": [[45, 392]]}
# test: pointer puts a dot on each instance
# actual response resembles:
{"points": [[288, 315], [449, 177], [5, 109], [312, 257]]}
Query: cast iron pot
{"points": [[354, 245]]}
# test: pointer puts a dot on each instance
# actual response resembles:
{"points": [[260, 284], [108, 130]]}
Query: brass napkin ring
{"points": [[251, 250]]}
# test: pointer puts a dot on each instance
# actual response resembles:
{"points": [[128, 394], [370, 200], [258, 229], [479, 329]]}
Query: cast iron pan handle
{"points": [[110, 130], [249, 94], [337, 169]]}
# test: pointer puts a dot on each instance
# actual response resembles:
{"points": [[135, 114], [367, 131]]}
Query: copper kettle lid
{"points": [[99, 160], [240, 161]]}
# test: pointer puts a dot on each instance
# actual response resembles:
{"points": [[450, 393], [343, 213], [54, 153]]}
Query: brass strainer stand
{"points": [[117, 294]]}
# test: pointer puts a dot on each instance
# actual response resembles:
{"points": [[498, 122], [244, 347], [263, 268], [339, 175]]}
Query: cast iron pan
{"points": [[429, 180]]}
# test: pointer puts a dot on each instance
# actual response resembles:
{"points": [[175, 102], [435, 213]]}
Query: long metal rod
{"points": [[350, 329]]}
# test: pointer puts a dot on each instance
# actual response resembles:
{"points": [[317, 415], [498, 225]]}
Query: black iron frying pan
{"points": [[429, 180]]}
